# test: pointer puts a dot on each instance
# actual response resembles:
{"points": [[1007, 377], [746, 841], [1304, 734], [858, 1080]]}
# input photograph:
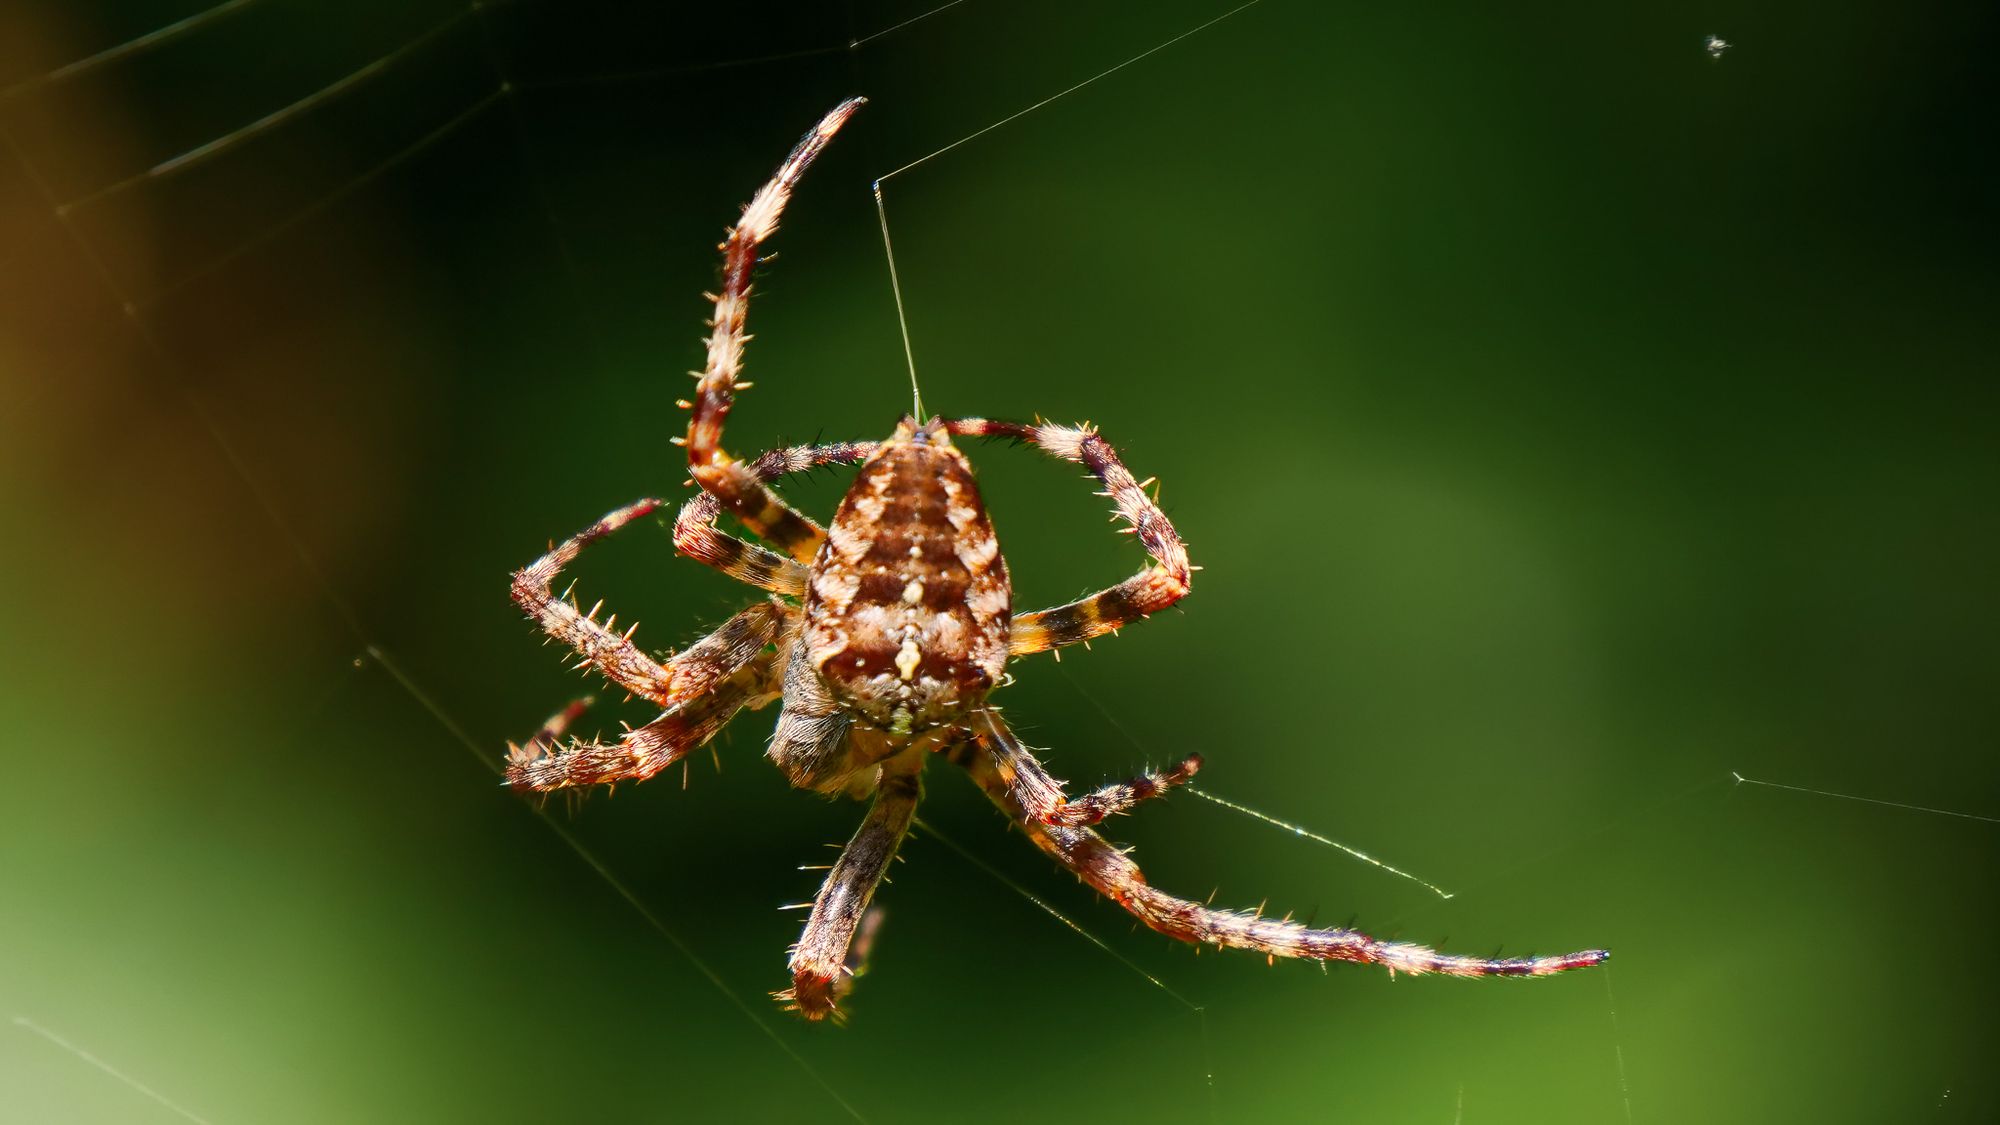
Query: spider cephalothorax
{"points": [[882, 636]]}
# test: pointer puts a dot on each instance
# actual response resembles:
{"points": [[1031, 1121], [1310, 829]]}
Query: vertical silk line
{"points": [[902, 321], [882, 213]]}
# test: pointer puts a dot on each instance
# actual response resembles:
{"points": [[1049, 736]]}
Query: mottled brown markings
{"points": [[695, 536], [907, 612]]}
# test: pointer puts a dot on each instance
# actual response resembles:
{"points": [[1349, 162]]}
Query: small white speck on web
{"points": [[1715, 45]]}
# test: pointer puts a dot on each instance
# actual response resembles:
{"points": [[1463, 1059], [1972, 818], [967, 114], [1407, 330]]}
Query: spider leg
{"points": [[820, 960], [721, 476], [543, 766], [1041, 796], [557, 725], [1145, 593], [696, 536], [1114, 875], [613, 653]]}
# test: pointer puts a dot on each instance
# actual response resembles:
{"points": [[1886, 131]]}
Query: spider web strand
{"points": [[1294, 829], [1200, 1011], [1309, 834], [324, 203], [276, 118], [1058, 915], [895, 27], [127, 49], [1198, 28], [27, 1024], [1741, 780]]}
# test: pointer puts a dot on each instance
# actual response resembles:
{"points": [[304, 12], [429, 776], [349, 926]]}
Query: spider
{"points": [[882, 635]]}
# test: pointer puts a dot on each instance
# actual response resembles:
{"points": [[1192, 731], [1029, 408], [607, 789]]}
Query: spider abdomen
{"points": [[908, 607]]}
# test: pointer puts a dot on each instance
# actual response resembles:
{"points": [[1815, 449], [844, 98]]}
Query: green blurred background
{"points": [[1564, 420]]}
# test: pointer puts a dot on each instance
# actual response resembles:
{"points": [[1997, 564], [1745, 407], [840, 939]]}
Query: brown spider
{"points": [[883, 635]]}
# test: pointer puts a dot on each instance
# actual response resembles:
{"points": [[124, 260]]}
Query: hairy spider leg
{"points": [[557, 725], [645, 751], [609, 651], [721, 476], [1114, 875], [1042, 796], [686, 676], [819, 961], [1145, 593], [695, 534]]}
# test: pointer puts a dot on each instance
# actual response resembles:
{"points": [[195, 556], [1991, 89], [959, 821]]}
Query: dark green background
{"points": [[1564, 420]]}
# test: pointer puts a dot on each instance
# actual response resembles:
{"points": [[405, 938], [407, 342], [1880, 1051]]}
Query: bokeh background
{"points": [[1566, 420]]}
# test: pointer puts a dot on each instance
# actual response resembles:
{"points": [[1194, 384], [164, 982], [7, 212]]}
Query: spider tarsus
{"points": [[813, 996]]}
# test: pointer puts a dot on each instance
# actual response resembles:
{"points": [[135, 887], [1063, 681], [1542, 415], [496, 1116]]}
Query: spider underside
{"points": [[881, 637]]}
